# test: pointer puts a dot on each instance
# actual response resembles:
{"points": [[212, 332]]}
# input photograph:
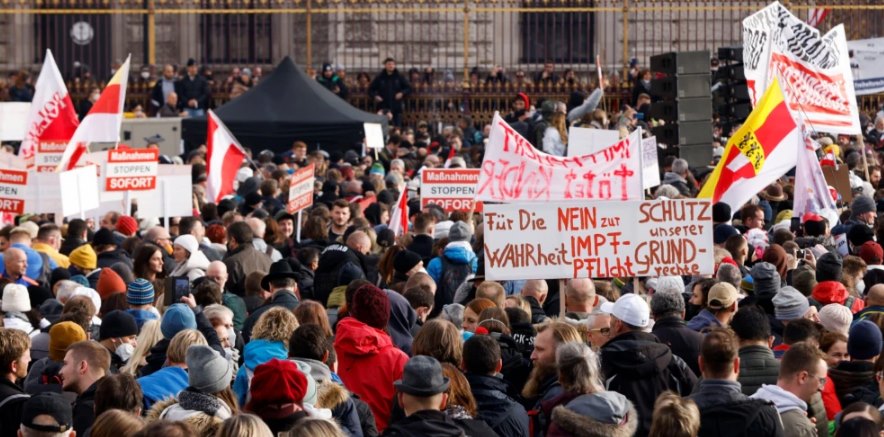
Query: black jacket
{"points": [[538, 315], [332, 262], [10, 411], [387, 85], [757, 367], [196, 88], [682, 341], [503, 414], [640, 367], [108, 259], [84, 409], [855, 382], [434, 423], [516, 367], [422, 245], [282, 298], [725, 411], [70, 244]]}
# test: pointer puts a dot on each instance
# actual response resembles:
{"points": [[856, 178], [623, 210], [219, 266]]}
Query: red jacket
{"points": [[827, 292], [368, 363]]}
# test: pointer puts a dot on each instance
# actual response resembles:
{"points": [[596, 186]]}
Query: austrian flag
{"points": [[761, 151], [224, 158], [52, 117]]}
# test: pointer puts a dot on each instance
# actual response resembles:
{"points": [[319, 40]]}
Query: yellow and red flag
{"points": [[761, 151]]}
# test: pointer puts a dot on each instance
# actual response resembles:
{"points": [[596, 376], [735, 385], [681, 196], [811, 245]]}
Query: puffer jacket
{"points": [[458, 252], [757, 367], [369, 363], [193, 267], [855, 382], [203, 412], [827, 292], [503, 414], [255, 353]]}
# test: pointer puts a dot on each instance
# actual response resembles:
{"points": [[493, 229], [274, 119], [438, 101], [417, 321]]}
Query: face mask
{"points": [[861, 287], [125, 351], [231, 335], [646, 82]]}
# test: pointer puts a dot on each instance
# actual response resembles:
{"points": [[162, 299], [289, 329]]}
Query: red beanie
{"points": [[127, 225], [276, 382], [371, 306], [109, 283]]}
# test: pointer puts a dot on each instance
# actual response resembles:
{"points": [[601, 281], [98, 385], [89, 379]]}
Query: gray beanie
{"points": [[210, 372], [310, 394], [766, 280], [453, 312], [790, 304], [862, 205], [459, 231]]}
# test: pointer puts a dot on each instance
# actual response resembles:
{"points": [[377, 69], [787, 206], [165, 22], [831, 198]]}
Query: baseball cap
{"points": [[721, 295], [630, 309], [47, 404]]}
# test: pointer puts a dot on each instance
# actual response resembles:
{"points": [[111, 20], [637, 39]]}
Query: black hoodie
{"points": [[637, 365]]}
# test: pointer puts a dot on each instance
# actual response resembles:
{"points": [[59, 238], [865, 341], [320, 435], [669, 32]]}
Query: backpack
{"points": [[731, 419], [46, 272], [453, 275]]}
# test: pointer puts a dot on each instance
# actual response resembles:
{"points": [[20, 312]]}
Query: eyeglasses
{"points": [[603, 331]]}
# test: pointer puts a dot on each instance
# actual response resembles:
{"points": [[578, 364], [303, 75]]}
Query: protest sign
{"points": [[48, 155], [301, 190], [65, 194], [814, 69], [454, 189], [131, 169], [513, 170], [374, 135], [585, 141], [866, 59], [598, 239], [170, 198], [13, 120], [650, 166], [13, 185]]}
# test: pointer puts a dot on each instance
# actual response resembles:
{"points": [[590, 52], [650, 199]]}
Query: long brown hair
{"points": [[441, 340], [459, 391]]}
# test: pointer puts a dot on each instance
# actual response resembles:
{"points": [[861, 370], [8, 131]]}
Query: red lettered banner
{"points": [[598, 239], [454, 189], [301, 190], [513, 170], [12, 190], [131, 169], [48, 155]]}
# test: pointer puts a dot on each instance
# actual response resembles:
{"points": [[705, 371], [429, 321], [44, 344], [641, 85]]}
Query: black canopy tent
{"points": [[284, 107]]}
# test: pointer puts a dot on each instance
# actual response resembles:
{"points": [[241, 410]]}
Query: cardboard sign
{"points": [[173, 196], [14, 120], [839, 180], [13, 184], [48, 156], [454, 189], [301, 190], [650, 166], [586, 141], [131, 170], [374, 135], [596, 239], [513, 170]]}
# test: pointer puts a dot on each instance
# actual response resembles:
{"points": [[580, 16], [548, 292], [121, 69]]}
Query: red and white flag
{"points": [[399, 215], [451, 154], [52, 117], [224, 158], [811, 189], [102, 123], [815, 16]]}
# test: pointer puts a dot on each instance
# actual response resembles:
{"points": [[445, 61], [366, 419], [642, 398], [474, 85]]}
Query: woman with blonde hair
{"points": [[244, 425], [315, 428], [675, 416], [114, 423], [555, 137], [270, 339], [149, 336]]}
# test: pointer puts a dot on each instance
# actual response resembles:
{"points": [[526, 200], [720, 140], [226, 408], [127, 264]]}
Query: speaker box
{"points": [[734, 54], [737, 92], [730, 72], [697, 155], [681, 63], [681, 86], [691, 109], [686, 133], [739, 111]]}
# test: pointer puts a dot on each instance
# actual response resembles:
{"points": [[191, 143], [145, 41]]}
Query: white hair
{"points": [[218, 311], [258, 226], [679, 166]]}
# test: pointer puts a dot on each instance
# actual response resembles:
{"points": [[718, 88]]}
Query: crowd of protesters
{"points": [[243, 321]]}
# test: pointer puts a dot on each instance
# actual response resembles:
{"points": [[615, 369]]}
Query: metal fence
{"points": [[440, 40]]}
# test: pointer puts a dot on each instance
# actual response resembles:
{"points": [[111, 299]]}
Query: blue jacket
{"points": [[256, 352], [458, 252], [35, 262], [705, 319], [164, 383], [141, 316]]}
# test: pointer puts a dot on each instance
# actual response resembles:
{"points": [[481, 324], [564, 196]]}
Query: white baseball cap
{"points": [[630, 309]]}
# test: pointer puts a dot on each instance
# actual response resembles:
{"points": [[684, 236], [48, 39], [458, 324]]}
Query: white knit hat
{"points": [[15, 299], [188, 242], [836, 318]]}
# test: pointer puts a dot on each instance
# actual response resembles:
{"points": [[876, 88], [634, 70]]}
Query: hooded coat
{"points": [[568, 423], [369, 363], [503, 414], [256, 352], [854, 382], [793, 411], [827, 292], [203, 412], [193, 267], [637, 365], [402, 321]]}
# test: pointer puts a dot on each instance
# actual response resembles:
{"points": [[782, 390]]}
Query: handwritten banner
{"points": [[513, 170], [650, 165], [598, 239], [301, 190], [454, 189], [814, 70]]}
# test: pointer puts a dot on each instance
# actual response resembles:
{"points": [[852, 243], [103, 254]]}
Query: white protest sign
{"points": [[453, 189], [173, 196], [813, 69], [586, 141], [48, 155], [374, 135], [13, 120], [513, 170], [131, 169], [598, 239], [866, 59], [301, 190], [13, 187], [79, 190], [650, 165]]}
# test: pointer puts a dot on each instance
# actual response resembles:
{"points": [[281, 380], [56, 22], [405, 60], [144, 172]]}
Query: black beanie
{"points": [[859, 234], [721, 212], [828, 267], [117, 324]]}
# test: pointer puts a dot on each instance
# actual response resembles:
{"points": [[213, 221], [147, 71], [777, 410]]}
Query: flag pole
{"points": [[862, 147], [298, 230]]}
